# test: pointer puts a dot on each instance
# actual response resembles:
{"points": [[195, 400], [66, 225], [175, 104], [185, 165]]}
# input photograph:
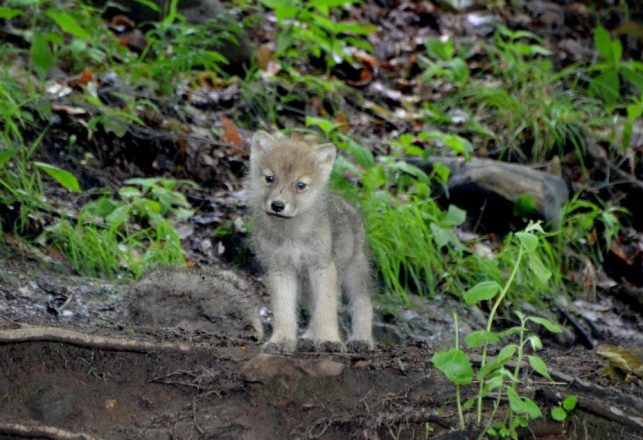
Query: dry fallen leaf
{"points": [[110, 404], [80, 80], [621, 359], [230, 132]]}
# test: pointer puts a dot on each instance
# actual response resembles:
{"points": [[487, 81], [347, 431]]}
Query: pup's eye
{"points": [[301, 186], [270, 179]]}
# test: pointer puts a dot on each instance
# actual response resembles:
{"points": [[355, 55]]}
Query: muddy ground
{"points": [[211, 381]]}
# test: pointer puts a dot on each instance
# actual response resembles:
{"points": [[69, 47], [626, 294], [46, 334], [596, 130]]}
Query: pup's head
{"points": [[286, 174]]}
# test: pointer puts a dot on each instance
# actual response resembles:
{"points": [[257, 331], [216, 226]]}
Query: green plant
{"points": [[133, 232], [495, 374], [612, 69], [444, 62], [559, 413], [308, 28]]}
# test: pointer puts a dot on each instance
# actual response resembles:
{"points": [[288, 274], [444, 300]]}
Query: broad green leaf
{"points": [[9, 13], [528, 240], [118, 216], [64, 178], [506, 353], [7, 155], [569, 403], [324, 124], [538, 268], [539, 366], [150, 4], [41, 55], [460, 70], [68, 24], [516, 403], [554, 328], [482, 291], [603, 43], [535, 342], [439, 48], [524, 205], [606, 85], [477, 338], [129, 192], [558, 414], [532, 409], [455, 365], [441, 236], [454, 216]]}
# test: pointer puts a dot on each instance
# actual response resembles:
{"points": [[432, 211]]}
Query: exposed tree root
{"points": [[42, 431], [55, 334]]}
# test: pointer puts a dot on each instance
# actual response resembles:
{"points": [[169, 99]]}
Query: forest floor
{"points": [[74, 366]]}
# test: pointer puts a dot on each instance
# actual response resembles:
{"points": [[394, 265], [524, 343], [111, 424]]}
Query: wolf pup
{"points": [[307, 239]]}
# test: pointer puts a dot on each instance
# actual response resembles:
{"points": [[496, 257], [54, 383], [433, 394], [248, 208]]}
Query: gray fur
{"points": [[316, 243]]}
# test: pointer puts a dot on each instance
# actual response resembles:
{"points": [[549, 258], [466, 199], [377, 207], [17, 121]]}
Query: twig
{"points": [[54, 334], [609, 412], [42, 431]]}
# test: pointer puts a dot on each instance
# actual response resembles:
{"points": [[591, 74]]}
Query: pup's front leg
{"points": [[283, 291], [323, 330]]}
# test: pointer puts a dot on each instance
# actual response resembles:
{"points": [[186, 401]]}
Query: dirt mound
{"points": [[215, 301]]}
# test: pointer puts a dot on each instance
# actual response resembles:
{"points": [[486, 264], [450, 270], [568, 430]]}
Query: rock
{"points": [[263, 367], [490, 189], [215, 300], [51, 404]]}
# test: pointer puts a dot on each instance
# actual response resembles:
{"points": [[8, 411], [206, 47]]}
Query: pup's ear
{"points": [[325, 155], [262, 142]]}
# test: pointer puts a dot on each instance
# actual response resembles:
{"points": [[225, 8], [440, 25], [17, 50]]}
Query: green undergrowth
{"points": [[516, 103]]}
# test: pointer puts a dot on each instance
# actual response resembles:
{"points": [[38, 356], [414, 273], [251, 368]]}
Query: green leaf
{"points": [[454, 216], [524, 205], [554, 328], [558, 414], [64, 178], [535, 342], [9, 13], [118, 216], [7, 155], [68, 24], [538, 268], [441, 236], [528, 240], [516, 403], [482, 291], [455, 365], [506, 353], [437, 48], [603, 43], [477, 338], [569, 403], [324, 124], [539, 366], [41, 55]]}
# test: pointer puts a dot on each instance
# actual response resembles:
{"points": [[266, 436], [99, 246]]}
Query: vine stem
{"points": [[492, 314], [458, 400]]}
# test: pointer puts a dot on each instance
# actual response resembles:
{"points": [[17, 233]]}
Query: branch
{"points": [[42, 431], [54, 334]]}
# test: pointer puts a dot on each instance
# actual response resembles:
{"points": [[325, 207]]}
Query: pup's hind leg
{"points": [[357, 285]]}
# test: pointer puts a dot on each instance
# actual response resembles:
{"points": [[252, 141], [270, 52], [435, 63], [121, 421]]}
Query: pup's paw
{"points": [[330, 346], [306, 344], [359, 345], [279, 346]]}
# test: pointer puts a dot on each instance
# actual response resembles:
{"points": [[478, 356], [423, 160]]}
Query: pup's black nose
{"points": [[277, 206]]}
